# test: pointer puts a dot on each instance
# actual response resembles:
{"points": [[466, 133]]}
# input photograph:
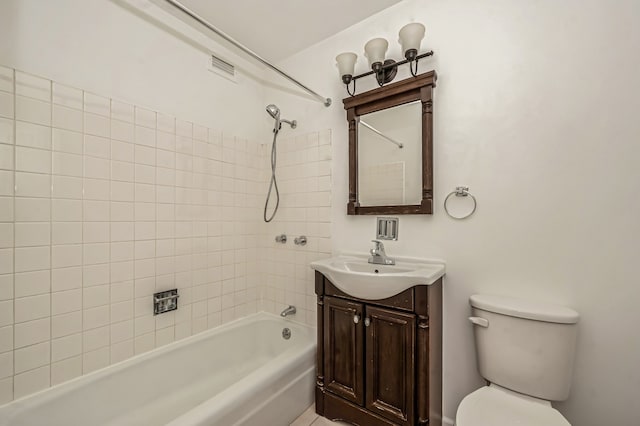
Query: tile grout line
{"points": [[15, 190], [50, 82], [133, 237], [175, 276], [108, 238], [155, 204], [82, 217]]}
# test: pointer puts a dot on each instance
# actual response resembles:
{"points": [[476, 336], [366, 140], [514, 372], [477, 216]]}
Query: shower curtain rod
{"points": [[202, 21], [379, 133]]}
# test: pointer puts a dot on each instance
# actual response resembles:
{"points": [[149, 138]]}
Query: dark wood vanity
{"points": [[379, 362]]}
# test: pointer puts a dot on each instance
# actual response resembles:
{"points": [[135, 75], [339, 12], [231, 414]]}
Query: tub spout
{"points": [[288, 311]]}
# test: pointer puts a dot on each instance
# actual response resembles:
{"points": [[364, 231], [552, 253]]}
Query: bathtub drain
{"points": [[286, 333]]}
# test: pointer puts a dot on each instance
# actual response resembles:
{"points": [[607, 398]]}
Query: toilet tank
{"points": [[525, 346]]}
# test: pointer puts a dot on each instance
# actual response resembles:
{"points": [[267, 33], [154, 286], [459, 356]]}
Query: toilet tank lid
{"points": [[527, 309]]}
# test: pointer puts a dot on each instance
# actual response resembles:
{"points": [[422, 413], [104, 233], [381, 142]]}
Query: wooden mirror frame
{"points": [[405, 91]]}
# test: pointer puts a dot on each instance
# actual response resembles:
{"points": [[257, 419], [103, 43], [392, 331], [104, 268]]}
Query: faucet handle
{"points": [[379, 245]]}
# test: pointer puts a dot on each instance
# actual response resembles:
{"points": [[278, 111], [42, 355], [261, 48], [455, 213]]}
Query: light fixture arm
{"points": [[392, 65], [413, 73], [353, 92]]}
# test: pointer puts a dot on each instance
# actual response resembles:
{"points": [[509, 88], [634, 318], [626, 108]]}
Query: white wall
{"points": [[132, 51], [535, 111]]}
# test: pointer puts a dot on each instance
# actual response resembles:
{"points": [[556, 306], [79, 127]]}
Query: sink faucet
{"points": [[378, 256], [288, 311]]}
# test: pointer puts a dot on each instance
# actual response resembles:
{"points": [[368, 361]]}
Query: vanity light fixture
{"points": [[375, 50]]}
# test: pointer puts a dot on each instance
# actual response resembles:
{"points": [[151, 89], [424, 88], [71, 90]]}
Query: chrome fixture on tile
{"points": [[282, 239], [290, 310], [300, 241], [165, 301], [385, 70], [286, 333], [378, 256], [461, 191], [387, 228], [274, 112]]}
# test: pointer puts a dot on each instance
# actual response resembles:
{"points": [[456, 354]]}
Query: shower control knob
{"points": [[300, 241], [282, 239]]}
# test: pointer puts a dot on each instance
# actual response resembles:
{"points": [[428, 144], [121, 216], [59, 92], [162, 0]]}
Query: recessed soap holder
{"points": [[165, 301], [387, 228]]}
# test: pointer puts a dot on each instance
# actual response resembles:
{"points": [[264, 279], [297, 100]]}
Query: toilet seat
{"points": [[496, 406]]}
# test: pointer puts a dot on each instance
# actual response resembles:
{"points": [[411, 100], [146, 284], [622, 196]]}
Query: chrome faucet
{"points": [[378, 256], [291, 310]]}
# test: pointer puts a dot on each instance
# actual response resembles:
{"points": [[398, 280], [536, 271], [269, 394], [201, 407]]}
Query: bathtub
{"points": [[242, 373]]}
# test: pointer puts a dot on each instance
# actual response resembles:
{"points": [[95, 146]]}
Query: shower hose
{"points": [[272, 184]]}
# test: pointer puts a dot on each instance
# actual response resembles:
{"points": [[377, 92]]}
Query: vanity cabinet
{"points": [[380, 361]]}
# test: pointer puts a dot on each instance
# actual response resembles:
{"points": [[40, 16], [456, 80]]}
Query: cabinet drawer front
{"points": [[343, 349], [390, 353]]}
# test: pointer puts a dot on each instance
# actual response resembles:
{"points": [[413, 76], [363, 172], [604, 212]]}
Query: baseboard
{"points": [[446, 421]]}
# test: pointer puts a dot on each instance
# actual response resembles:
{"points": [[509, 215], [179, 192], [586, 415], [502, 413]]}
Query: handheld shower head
{"points": [[273, 111]]}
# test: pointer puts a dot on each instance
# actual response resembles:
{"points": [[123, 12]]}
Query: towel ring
{"points": [[461, 191]]}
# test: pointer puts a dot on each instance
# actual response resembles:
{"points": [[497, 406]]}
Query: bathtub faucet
{"points": [[288, 311]]}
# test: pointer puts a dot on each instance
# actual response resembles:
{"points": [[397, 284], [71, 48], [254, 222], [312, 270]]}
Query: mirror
{"points": [[390, 148], [389, 156]]}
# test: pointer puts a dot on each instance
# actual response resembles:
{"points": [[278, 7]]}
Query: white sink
{"points": [[356, 277]]}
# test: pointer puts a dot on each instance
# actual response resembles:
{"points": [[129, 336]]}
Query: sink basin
{"points": [[356, 277]]}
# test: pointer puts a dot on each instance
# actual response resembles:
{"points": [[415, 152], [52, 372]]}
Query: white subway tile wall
{"points": [[304, 180], [103, 203]]}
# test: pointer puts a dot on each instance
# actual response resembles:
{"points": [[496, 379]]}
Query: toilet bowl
{"points": [[496, 406], [525, 351]]}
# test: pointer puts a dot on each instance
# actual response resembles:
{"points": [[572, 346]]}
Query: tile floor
{"points": [[309, 417]]}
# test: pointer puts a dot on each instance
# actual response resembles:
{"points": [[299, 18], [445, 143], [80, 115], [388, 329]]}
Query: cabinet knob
{"points": [[356, 318], [367, 322]]}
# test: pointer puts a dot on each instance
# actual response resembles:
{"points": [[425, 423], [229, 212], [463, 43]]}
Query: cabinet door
{"points": [[343, 349], [390, 349]]}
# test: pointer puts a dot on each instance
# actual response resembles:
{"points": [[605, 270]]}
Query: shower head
{"points": [[273, 111]]}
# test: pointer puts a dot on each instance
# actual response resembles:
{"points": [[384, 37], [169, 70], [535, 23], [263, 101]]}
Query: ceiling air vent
{"points": [[222, 67]]}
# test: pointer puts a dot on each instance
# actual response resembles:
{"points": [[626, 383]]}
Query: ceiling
{"points": [[277, 29]]}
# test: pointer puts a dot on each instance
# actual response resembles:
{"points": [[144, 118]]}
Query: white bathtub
{"points": [[242, 373]]}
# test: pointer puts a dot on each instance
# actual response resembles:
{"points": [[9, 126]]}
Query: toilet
{"points": [[525, 351]]}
